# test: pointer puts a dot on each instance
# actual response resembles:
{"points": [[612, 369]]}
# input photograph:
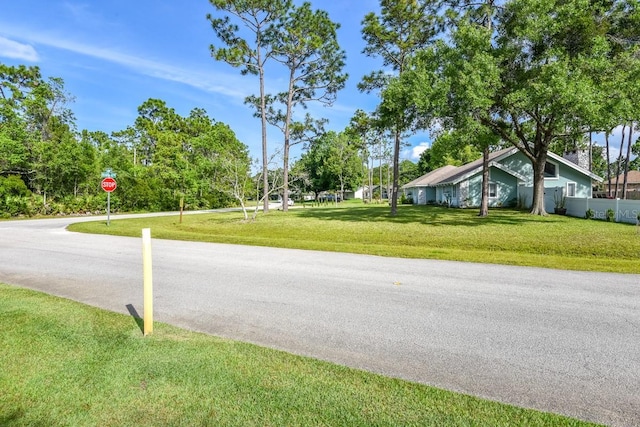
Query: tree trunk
{"points": [[626, 166], [265, 162], [365, 174], [606, 141], [484, 203], [285, 177], [380, 173], [396, 173], [287, 143], [537, 206], [618, 163], [389, 187], [590, 151], [371, 181]]}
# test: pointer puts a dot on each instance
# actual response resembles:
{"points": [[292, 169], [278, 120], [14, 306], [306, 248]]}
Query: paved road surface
{"points": [[560, 341]]}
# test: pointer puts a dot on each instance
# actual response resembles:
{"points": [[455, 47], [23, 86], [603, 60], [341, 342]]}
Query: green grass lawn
{"points": [[504, 237], [67, 364]]}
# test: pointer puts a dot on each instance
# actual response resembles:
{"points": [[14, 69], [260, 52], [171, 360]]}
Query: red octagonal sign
{"points": [[108, 184]]}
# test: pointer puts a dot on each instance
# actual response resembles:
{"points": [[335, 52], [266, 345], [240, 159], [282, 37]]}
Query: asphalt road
{"points": [[558, 341]]}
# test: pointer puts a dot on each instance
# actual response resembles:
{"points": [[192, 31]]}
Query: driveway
{"points": [[560, 341]]}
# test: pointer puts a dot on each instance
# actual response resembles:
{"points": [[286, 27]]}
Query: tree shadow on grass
{"points": [[14, 416], [139, 321], [427, 215]]}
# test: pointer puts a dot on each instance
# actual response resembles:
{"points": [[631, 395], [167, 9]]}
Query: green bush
{"points": [[34, 205], [610, 215], [589, 214], [13, 186], [406, 200], [14, 197], [16, 205]]}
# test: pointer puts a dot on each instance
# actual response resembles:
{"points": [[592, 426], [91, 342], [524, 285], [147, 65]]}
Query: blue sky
{"points": [[114, 55]]}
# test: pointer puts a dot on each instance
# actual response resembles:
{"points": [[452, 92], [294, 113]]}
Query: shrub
{"points": [[13, 186], [610, 215], [589, 214], [406, 200], [16, 205]]}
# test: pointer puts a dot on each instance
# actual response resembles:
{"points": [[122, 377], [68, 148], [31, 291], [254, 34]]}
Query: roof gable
{"points": [[449, 175], [432, 177], [569, 163], [474, 167]]}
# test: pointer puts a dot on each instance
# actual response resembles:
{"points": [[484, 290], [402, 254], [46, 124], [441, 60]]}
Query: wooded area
{"points": [[48, 167], [540, 75]]}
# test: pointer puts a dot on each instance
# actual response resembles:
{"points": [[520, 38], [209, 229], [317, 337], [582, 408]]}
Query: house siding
{"points": [[522, 165], [507, 186], [422, 195], [474, 191], [447, 194], [567, 174], [512, 177], [463, 194]]}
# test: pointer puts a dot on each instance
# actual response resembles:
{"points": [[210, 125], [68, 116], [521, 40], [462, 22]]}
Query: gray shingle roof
{"points": [[454, 174], [432, 177], [464, 170], [451, 173]]}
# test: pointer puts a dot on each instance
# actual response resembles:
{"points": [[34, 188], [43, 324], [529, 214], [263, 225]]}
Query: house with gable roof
{"points": [[633, 186], [510, 182]]}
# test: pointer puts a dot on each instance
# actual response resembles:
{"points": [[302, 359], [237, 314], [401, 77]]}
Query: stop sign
{"points": [[108, 184]]}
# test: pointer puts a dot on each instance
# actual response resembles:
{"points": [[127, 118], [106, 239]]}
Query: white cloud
{"points": [[209, 82], [15, 50], [417, 150], [206, 82]]}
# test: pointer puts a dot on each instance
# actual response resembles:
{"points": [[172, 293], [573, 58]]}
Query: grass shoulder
{"points": [[504, 237], [65, 363]]}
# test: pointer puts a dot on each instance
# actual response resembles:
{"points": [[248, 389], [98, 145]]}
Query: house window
{"points": [[571, 189], [550, 170], [493, 190]]}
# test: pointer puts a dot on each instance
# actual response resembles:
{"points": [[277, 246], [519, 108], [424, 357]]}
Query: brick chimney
{"points": [[579, 157]]}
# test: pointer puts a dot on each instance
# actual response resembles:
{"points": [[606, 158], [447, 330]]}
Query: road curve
{"points": [[560, 341]]}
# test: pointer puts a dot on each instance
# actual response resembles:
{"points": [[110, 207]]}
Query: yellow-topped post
{"points": [[148, 281]]}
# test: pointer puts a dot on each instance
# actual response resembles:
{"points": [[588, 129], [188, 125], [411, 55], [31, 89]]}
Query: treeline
{"points": [[538, 75], [48, 167]]}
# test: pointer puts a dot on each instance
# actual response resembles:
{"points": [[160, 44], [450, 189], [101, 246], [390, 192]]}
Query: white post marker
{"points": [[148, 281]]}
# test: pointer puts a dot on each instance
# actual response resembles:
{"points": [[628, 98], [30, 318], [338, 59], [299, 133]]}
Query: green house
{"points": [[510, 182]]}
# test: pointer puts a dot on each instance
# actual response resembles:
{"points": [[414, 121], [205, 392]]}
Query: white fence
{"points": [[624, 210], [525, 197]]}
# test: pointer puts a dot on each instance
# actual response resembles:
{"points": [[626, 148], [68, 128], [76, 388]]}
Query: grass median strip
{"points": [[65, 363], [504, 237]]}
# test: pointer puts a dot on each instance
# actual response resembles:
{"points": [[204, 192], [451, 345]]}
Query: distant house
{"points": [[510, 182], [365, 193], [633, 186], [359, 193]]}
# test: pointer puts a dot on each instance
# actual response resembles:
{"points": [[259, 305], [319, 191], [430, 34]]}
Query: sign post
{"points": [[108, 184], [147, 272]]}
